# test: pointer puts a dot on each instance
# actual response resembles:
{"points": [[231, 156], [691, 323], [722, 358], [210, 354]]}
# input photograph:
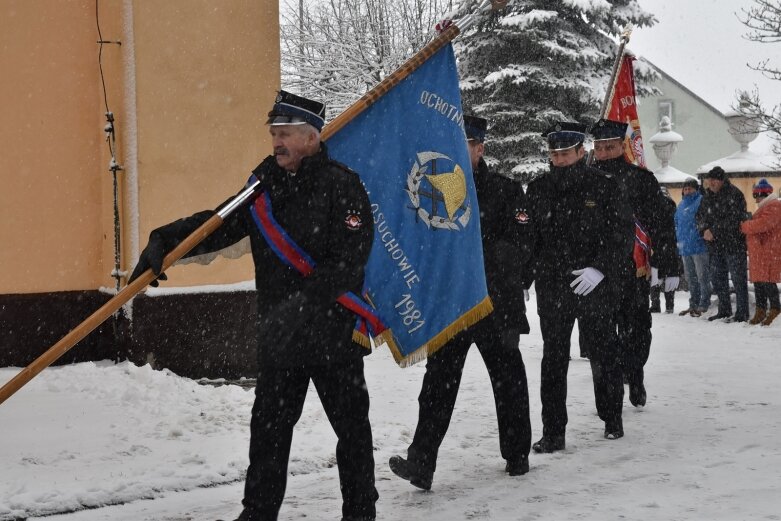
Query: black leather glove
{"points": [[151, 257]]}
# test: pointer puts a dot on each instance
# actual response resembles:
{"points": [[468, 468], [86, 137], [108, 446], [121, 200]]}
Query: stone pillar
{"points": [[665, 142]]}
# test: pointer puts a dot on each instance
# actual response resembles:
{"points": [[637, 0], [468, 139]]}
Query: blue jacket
{"points": [[688, 238]]}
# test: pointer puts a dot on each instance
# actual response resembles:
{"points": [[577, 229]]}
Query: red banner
{"points": [[623, 108]]}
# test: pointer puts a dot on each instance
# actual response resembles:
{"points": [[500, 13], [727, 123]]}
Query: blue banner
{"points": [[425, 275]]}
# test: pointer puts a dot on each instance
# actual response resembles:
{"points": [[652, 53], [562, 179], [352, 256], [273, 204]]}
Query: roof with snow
{"points": [[744, 161], [671, 175]]}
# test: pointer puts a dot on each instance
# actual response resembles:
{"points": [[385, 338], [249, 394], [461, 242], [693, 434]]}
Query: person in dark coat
{"points": [[582, 236], [303, 333], [654, 214], [504, 226], [721, 212]]}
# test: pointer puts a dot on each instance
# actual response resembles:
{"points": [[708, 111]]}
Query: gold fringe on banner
{"points": [[468, 319]]}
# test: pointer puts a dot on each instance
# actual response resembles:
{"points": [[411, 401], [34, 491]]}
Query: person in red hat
{"points": [[763, 238]]}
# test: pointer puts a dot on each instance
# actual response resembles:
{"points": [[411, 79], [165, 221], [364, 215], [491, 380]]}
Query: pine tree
{"points": [[537, 62]]}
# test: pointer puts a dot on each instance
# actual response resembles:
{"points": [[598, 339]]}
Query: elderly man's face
{"points": [[608, 149], [292, 143], [714, 185], [566, 157]]}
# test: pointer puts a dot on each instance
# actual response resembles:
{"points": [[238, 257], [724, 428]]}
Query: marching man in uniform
{"points": [[505, 233], [582, 234], [652, 263], [321, 210]]}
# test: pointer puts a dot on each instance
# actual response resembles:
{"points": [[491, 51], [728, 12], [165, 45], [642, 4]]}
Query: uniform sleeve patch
{"points": [[521, 217], [353, 220]]}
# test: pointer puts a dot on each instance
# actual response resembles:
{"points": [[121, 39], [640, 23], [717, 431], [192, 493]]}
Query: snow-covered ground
{"points": [[92, 442]]}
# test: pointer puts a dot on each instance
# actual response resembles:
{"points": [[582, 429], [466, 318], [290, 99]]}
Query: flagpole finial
{"points": [[626, 33]]}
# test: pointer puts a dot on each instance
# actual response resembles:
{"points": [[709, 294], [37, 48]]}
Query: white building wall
{"points": [[704, 129]]}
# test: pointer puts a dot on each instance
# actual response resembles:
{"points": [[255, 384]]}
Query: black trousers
{"points": [[633, 321], [279, 399], [669, 298], [437, 398], [558, 308]]}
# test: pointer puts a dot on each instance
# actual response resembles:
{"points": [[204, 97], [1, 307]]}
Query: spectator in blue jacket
{"points": [[693, 250]]}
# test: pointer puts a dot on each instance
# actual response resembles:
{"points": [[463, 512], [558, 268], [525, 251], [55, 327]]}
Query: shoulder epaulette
{"points": [[342, 166]]}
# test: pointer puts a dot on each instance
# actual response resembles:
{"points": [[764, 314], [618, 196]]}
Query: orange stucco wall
{"points": [[189, 87]]}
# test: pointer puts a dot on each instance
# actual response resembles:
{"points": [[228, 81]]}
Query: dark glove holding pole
{"points": [[151, 257]]}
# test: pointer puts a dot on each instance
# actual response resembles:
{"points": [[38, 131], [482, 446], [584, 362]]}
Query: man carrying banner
{"points": [[655, 250], [582, 234], [505, 232], [310, 230]]}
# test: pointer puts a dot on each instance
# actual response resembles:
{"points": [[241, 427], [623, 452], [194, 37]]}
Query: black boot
{"points": [[415, 474], [637, 394], [517, 467], [614, 429], [549, 444]]}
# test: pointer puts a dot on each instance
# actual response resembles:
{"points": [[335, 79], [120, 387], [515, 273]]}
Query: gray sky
{"points": [[700, 43]]}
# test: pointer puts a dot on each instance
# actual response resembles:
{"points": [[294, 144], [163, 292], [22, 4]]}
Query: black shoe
{"points": [[253, 515], [732, 320], [411, 472], [655, 309], [718, 316], [517, 467], [614, 430], [549, 444], [359, 518], [637, 394]]}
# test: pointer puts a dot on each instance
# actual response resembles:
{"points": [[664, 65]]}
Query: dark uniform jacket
{"points": [[722, 213], [579, 221], [324, 208], [506, 237], [651, 207]]}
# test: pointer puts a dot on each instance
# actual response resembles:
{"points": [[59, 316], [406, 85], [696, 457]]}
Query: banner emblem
{"points": [[439, 199]]}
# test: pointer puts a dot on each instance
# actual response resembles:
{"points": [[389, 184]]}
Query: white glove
{"points": [[655, 277], [587, 279], [671, 283], [526, 295]]}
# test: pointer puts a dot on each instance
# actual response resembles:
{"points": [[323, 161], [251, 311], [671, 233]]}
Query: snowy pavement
{"points": [[91, 442]]}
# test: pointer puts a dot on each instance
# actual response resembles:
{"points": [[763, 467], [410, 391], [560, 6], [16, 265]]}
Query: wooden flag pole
{"points": [[207, 228], [121, 298], [625, 35]]}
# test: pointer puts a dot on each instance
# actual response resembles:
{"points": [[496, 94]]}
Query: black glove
{"points": [[151, 257]]}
